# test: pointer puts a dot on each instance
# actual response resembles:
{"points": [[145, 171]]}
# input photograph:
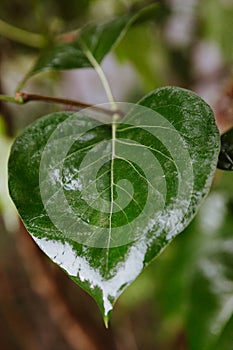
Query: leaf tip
{"points": [[106, 320]]}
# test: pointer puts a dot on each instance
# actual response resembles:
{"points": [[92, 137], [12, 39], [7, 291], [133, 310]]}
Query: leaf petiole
{"points": [[101, 75]]}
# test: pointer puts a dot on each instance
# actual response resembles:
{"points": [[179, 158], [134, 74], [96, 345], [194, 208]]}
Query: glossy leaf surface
{"points": [[185, 150], [225, 161]]}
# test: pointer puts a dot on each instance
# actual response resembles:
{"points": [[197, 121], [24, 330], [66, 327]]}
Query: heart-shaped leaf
{"points": [[99, 39], [102, 197], [225, 161]]}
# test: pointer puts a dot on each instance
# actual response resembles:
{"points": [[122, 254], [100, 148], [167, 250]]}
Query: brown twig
{"points": [[23, 97]]}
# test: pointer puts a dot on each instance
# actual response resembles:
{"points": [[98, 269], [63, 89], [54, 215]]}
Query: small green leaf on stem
{"points": [[99, 39]]}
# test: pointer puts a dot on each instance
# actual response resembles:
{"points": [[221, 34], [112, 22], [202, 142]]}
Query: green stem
{"points": [[22, 36], [10, 99], [101, 75]]}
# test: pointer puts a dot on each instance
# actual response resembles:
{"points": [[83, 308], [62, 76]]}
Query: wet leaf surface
{"points": [[160, 161]]}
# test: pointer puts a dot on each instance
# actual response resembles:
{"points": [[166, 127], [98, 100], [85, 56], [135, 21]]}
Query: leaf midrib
{"points": [[111, 189]]}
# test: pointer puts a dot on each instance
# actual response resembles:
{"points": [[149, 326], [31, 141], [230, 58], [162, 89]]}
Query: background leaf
{"points": [[215, 19], [225, 161], [143, 47], [104, 272]]}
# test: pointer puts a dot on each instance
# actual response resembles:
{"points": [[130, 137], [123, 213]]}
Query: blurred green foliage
{"points": [[42, 16], [216, 24]]}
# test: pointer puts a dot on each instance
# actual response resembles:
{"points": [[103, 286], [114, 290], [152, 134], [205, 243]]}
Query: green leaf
{"points": [[143, 48], [99, 39], [102, 198], [211, 289], [225, 161]]}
